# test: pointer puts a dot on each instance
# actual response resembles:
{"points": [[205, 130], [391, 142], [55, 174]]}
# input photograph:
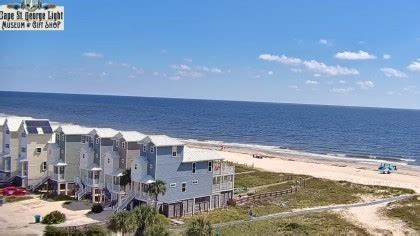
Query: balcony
{"points": [[115, 188], [143, 196], [57, 177], [223, 168], [92, 182], [223, 186]]}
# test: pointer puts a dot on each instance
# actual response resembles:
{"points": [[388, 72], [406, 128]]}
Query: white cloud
{"points": [[318, 68], [342, 82], [360, 55], [175, 78], [190, 71], [414, 66], [343, 91], [312, 82], [386, 56], [207, 69], [323, 41], [280, 59], [92, 55], [296, 70], [365, 84], [181, 67], [325, 70], [410, 88], [391, 72], [295, 87], [270, 73]]}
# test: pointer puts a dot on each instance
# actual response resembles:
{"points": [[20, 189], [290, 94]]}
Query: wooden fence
{"points": [[264, 196]]}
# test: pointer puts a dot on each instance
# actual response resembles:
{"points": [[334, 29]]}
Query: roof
{"points": [[197, 155], [69, 129], [37, 126], [130, 136], [14, 122], [147, 179], [118, 173], [162, 140], [94, 167], [2, 121], [104, 132], [59, 162]]}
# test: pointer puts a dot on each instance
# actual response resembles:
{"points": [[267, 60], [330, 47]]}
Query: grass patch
{"points": [[317, 224], [17, 198], [407, 211], [56, 197], [243, 168], [258, 178]]}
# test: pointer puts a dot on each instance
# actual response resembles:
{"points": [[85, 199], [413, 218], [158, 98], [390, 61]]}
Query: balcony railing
{"points": [[57, 177], [223, 169], [91, 181], [223, 186], [143, 196], [115, 187]]}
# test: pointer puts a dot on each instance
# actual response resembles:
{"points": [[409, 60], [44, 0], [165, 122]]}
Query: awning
{"points": [[6, 155], [59, 162], [147, 179], [22, 159], [94, 167], [118, 173]]}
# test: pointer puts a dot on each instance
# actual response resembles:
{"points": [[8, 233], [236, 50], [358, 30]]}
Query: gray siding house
{"points": [[194, 178], [64, 158]]}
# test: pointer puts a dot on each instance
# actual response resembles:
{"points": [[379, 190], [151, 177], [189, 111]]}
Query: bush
{"points": [[54, 231], [95, 230], [97, 208], [54, 217], [56, 197], [231, 202]]}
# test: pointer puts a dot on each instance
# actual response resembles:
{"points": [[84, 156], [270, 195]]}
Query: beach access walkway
{"points": [[307, 211]]}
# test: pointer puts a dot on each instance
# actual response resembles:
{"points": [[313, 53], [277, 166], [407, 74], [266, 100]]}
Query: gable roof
{"points": [[104, 132], [162, 141], [2, 121], [197, 155], [14, 122], [130, 136], [70, 129]]}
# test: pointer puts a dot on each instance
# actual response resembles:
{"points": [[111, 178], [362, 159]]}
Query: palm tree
{"points": [[157, 188], [145, 216], [199, 227], [124, 222]]}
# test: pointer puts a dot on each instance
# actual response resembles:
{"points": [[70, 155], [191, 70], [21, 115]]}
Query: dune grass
{"points": [[316, 224], [10, 199], [408, 211]]}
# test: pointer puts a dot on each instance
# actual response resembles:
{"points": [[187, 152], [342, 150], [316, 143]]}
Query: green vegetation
{"points": [[157, 188], [56, 197], [199, 227], [317, 224], [97, 208], [142, 220], [258, 178], [54, 217], [243, 168], [91, 230], [407, 211], [17, 198]]}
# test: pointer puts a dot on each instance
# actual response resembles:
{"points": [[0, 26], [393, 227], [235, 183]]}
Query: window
{"points": [[7, 145], [44, 166], [108, 160], [122, 160], [23, 149], [7, 131], [62, 151], [62, 137], [23, 135], [184, 187], [151, 166], [83, 139], [117, 143], [174, 149], [152, 149], [172, 185], [97, 140], [193, 167], [195, 182], [123, 145], [83, 155], [38, 150], [210, 166], [135, 166], [96, 155], [144, 148]]}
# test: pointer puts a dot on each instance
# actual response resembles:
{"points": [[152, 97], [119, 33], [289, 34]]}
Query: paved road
{"points": [[307, 211]]}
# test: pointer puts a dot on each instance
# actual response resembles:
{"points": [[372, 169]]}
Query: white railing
{"points": [[40, 182], [223, 186], [223, 169], [125, 202], [80, 193], [91, 181]]}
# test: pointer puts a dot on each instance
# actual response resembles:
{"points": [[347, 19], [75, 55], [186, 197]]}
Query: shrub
{"points": [[67, 202], [199, 227], [97, 208], [54, 217], [54, 231], [231, 202], [95, 230], [56, 197]]}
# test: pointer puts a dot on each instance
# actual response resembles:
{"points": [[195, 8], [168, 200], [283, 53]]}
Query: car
{"points": [[13, 191]]}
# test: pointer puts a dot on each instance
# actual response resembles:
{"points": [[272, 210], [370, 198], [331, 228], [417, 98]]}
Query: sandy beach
{"points": [[359, 171]]}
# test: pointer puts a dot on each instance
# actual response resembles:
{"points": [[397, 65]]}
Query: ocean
{"points": [[373, 133]]}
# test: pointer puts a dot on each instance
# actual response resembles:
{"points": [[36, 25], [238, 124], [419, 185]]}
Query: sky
{"points": [[355, 53]]}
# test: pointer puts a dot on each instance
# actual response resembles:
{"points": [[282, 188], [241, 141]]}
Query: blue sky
{"points": [[362, 53]]}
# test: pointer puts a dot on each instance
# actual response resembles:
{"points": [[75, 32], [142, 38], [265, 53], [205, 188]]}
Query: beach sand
{"points": [[352, 170]]}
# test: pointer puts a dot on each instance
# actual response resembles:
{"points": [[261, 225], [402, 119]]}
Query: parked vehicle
{"points": [[12, 191]]}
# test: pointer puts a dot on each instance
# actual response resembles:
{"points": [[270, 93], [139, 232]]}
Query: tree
{"points": [[157, 188], [200, 227], [149, 221], [124, 222]]}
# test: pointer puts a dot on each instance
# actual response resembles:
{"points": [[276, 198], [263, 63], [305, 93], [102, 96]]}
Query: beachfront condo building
{"points": [[196, 180], [34, 136], [64, 158], [10, 147], [125, 148], [97, 148]]}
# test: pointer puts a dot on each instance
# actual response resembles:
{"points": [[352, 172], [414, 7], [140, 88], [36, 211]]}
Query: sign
{"points": [[31, 15]]}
